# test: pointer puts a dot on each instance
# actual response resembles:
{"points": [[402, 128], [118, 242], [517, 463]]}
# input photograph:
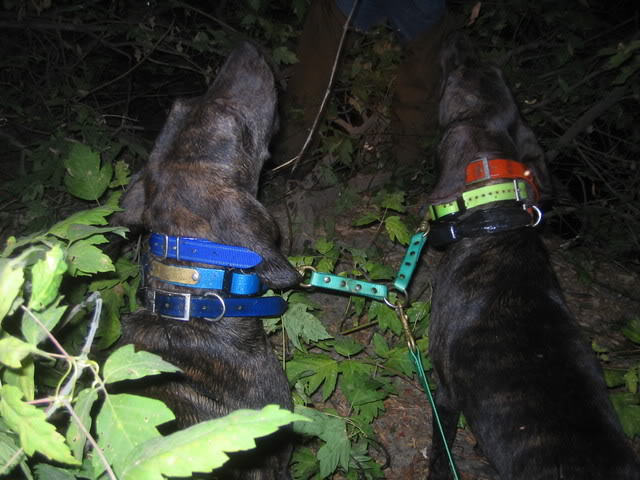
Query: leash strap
{"points": [[202, 251], [416, 359], [182, 306], [346, 285], [514, 190], [410, 261], [208, 278]]}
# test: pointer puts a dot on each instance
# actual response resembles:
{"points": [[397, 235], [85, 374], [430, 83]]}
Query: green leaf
{"points": [[333, 430], [110, 328], [398, 359], [22, 378], [631, 380], [358, 304], [366, 219], [13, 351], [49, 472], [394, 201], [282, 55], [10, 454], [84, 177], [418, 311], [127, 364], [380, 345], [368, 412], [202, 447], [36, 434], [95, 216], [304, 463], [614, 378], [314, 369], [125, 269], [324, 246], [378, 271], [628, 410], [11, 280], [50, 317], [387, 318], [362, 389], [124, 423], [46, 277], [632, 330], [85, 259], [347, 346], [397, 230], [79, 231], [122, 174], [300, 324], [82, 406]]}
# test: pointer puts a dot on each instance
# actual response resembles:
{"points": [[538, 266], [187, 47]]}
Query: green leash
{"points": [[380, 293]]}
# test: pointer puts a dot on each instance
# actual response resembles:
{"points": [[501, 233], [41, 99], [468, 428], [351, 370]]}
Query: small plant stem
{"points": [[46, 330], [359, 327], [91, 440], [41, 401], [296, 160]]}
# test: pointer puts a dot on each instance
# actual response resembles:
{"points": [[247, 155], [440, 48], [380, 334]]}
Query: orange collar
{"points": [[484, 169]]}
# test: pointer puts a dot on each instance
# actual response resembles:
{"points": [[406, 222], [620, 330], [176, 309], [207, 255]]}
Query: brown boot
{"points": [[414, 108], [317, 49]]}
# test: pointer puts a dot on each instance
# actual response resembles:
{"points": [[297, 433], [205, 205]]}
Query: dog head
{"points": [[480, 119], [202, 176]]}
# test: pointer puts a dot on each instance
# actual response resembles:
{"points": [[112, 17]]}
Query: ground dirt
{"points": [[602, 295]]}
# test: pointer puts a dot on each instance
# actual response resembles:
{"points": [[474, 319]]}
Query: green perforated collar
{"points": [[512, 190]]}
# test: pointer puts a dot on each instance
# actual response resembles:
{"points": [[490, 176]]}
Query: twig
{"points": [[91, 440], [68, 387], [224, 25], [142, 60], [296, 160], [614, 192], [359, 130], [585, 120], [41, 325], [46, 25]]}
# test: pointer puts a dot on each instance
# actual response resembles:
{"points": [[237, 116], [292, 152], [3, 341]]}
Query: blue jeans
{"points": [[408, 18]]}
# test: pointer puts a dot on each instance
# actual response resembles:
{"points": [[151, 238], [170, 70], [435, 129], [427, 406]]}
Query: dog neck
{"points": [[500, 195], [230, 287]]}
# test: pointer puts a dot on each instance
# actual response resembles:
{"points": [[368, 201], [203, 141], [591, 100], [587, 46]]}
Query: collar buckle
{"points": [[486, 170], [187, 304]]}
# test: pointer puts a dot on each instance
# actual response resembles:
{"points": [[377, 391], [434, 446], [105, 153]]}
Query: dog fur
{"points": [[201, 181], [506, 350]]}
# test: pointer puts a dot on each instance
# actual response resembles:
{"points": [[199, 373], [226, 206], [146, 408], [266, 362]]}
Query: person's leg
{"points": [[416, 91], [316, 52]]}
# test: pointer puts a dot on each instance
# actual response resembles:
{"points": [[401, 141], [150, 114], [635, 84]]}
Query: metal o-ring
{"points": [[224, 306]]}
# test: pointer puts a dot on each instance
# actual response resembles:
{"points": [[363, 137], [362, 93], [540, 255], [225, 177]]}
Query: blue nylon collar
{"points": [[209, 278], [183, 306], [202, 251]]}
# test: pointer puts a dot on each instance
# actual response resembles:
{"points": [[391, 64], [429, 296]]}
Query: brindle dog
{"points": [[201, 181], [506, 350]]}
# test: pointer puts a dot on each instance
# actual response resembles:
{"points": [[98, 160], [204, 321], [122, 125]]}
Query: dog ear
{"points": [[456, 52], [276, 271], [132, 203], [246, 83]]}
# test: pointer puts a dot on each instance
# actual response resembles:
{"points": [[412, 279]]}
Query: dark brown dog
{"points": [[201, 181], [506, 350]]}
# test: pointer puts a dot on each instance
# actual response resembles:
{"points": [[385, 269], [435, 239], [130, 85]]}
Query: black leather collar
{"points": [[504, 218]]}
